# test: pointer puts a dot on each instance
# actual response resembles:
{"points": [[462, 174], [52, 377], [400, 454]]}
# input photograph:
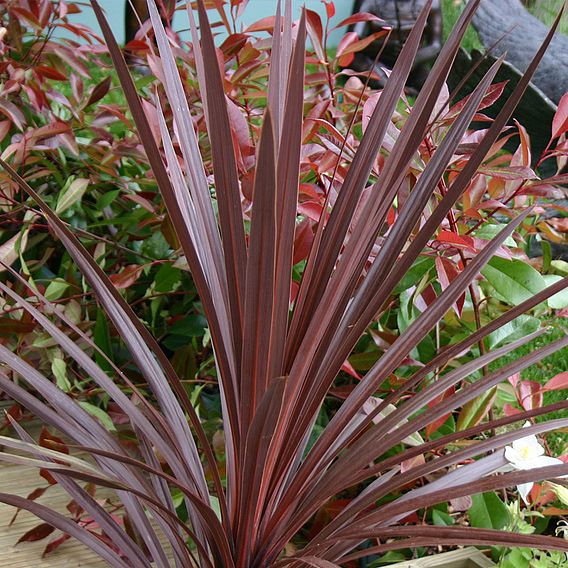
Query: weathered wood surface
{"points": [[19, 480], [519, 35], [464, 558]]}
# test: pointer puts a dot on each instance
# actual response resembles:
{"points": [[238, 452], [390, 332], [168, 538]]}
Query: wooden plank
{"points": [[464, 558], [21, 480]]}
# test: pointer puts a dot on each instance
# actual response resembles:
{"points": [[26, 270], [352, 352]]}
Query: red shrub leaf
{"points": [[39, 532], [456, 240], [560, 120], [55, 544], [127, 277], [356, 18], [50, 73], [559, 382], [530, 394], [99, 91]]}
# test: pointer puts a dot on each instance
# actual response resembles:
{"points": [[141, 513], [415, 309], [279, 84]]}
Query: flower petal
{"points": [[544, 461], [524, 489], [512, 455], [529, 446]]}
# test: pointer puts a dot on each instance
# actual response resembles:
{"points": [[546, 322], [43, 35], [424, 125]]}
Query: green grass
{"points": [[451, 9], [544, 10]]}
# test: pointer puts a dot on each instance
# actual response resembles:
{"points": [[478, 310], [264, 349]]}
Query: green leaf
{"points": [[107, 198], [513, 280], [476, 410], [515, 559], [167, 278], [98, 413], [488, 512], [179, 333], [515, 329], [546, 255], [417, 271], [72, 195], [177, 497], [560, 300], [559, 267], [59, 370], [487, 232], [156, 246], [190, 326], [441, 518], [216, 506], [448, 427], [506, 394], [365, 360], [389, 558], [55, 289], [73, 311]]}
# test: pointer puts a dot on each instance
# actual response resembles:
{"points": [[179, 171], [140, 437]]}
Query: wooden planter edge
{"points": [[464, 558]]}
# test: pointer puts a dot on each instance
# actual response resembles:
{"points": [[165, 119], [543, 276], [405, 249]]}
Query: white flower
{"points": [[562, 529], [528, 453]]}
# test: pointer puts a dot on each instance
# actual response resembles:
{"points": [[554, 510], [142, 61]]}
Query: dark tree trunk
{"points": [[521, 35]]}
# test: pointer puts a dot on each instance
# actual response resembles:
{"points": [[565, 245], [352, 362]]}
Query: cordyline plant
{"points": [[276, 361]]}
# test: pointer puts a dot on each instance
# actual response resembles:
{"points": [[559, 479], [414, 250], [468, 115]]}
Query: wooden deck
{"points": [[19, 480]]}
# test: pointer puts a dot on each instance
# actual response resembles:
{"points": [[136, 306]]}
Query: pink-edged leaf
{"points": [[356, 18], [510, 410], [348, 368], [493, 94], [514, 379], [315, 31], [558, 382], [447, 273], [262, 25], [348, 39], [354, 45], [530, 394], [560, 120], [13, 113], [288, 169], [330, 236]]}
